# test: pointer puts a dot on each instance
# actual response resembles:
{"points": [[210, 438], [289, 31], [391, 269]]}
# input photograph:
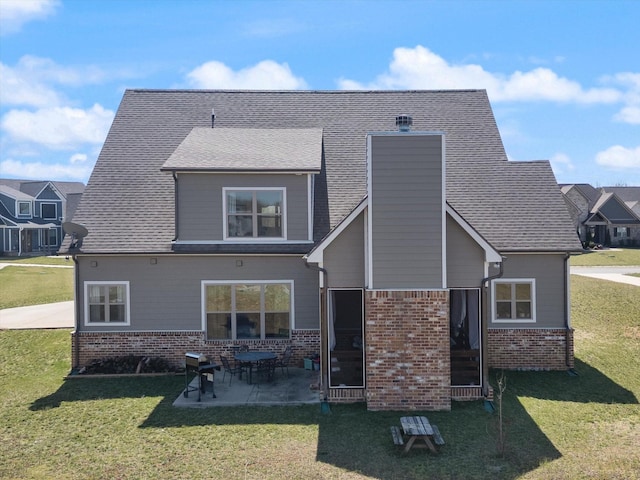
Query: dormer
{"points": [[239, 186]]}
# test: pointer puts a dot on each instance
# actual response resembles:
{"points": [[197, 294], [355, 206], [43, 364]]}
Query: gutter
{"points": [[485, 326], [324, 364], [76, 346]]}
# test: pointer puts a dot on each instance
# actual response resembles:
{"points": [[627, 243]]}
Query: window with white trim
{"points": [[106, 303], [247, 310], [49, 211], [24, 209], [514, 300], [254, 213]]}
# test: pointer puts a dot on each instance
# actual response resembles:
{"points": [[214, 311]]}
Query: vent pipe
{"points": [[404, 122], [213, 116]]}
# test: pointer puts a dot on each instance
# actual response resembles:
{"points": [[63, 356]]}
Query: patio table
{"points": [[249, 358]]}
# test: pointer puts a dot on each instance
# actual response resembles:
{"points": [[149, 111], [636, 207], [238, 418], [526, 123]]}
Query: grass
{"points": [[31, 285], [558, 426], [38, 261], [605, 258]]}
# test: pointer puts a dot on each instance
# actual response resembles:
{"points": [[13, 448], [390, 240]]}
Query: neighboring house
{"points": [[406, 249], [608, 216], [32, 213]]}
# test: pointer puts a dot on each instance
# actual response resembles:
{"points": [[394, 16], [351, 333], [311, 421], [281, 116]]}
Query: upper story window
{"points": [[514, 300], [254, 213], [24, 209], [48, 211]]}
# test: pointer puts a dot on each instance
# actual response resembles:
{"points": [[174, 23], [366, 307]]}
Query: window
{"points": [[514, 300], [48, 211], [621, 232], [24, 209], [254, 213], [247, 310], [106, 303], [49, 237]]}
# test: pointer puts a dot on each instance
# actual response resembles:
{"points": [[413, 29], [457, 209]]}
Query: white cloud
{"points": [[29, 81], [629, 115], [561, 163], [78, 158], [55, 171], [619, 157], [15, 13], [59, 127], [266, 75], [420, 68]]}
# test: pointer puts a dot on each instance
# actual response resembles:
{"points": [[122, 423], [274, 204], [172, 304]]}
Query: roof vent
{"points": [[404, 122], [213, 116]]}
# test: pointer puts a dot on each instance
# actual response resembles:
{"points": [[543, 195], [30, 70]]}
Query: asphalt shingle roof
{"points": [[249, 149], [128, 204]]}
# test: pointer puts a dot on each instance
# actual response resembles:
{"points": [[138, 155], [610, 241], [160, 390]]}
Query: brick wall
{"points": [[530, 349], [407, 350], [173, 345]]}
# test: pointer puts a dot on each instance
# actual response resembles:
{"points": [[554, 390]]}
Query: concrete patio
{"points": [[301, 387]]}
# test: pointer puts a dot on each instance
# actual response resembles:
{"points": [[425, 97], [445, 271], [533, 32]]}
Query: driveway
{"points": [[48, 315], [613, 274]]}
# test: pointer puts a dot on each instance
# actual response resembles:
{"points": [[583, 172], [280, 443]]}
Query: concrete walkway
{"points": [[613, 274], [48, 315]]}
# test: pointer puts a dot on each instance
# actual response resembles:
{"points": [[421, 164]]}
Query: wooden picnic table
{"points": [[419, 428]]}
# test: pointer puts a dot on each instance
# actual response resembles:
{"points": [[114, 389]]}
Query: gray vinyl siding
{"points": [[406, 208], [48, 194], [548, 272], [200, 214], [166, 296], [344, 258], [465, 258]]}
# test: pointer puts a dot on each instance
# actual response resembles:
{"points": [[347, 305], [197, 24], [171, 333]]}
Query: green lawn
{"points": [[43, 260], [30, 285], [614, 257], [558, 426]]}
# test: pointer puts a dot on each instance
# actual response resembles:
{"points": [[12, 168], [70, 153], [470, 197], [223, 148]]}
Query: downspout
{"points": [[175, 206], [485, 326], [567, 320], [76, 344], [324, 364]]}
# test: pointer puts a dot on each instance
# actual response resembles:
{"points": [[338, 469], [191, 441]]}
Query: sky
{"points": [[563, 77]]}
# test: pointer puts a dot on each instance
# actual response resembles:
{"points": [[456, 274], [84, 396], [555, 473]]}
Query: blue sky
{"points": [[563, 77]]}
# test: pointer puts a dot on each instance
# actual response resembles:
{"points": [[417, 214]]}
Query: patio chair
{"points": [[266, 369], [283, 361], [226, 365]]}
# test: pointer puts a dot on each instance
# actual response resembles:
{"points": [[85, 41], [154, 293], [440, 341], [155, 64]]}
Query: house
{"points": [[32, 213], [608, 216], [385, 230]]}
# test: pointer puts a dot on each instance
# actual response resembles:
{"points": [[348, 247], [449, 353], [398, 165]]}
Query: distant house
{"points": [[386, 231], [32, 213], [608, 216]]}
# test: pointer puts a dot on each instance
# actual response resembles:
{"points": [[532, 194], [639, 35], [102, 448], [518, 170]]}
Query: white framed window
{"points": [[106, 303], [48, 211], [254, 213], [247, 310], [514, 300], [24, 209]]}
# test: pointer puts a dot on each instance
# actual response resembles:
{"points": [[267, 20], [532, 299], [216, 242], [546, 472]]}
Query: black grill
{"points": [[198, 364]]}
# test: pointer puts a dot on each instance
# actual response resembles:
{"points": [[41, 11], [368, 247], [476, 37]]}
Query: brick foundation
{"points": [[530, 349], [173, 345], [407, 350]]}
